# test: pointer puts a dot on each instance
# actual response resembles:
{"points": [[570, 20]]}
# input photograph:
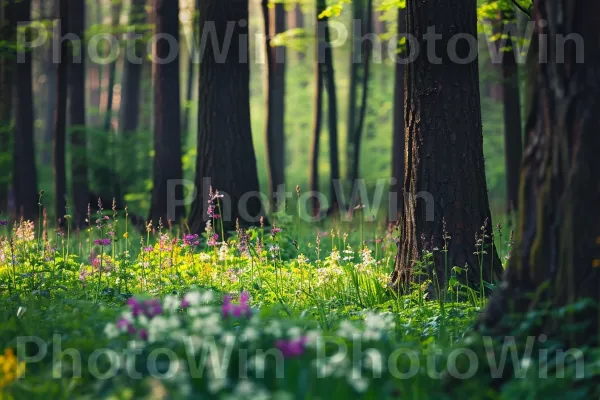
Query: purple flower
{"points": [[149, 249], [136, 307], [185, 303], [3, 222], [143, 334], [191, 240], [213, 240], [275, 231], [103, 242], [152, 308], [124, 324], [292, 348], [237, 310]]}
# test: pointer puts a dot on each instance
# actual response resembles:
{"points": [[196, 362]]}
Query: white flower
{"points": [[215, 385], [250, 334], [171, 303], [357, 381], [294, 332], [111, 331], [228, 339], [374, 361], [204, 257]]}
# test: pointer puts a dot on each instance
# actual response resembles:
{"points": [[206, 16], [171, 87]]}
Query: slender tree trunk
{"points": [[513, 142], [60, 117], [445, 172], [366, 56], [167, 167], [531, 83], [226, 158], [398, 130], [274, 19], [50, 72], [295, 20], [356, 30], [7, 31], [316, 135], [130, 104], [95, 75], [78, 150], [185, 124], [325, 57], [112, 71], [557, 253]]}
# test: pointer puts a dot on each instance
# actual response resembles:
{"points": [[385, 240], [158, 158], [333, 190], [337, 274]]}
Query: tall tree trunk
{"points": [[60, 117], [24, 169], [167, 116], [225, 151], [357, 18], [531, 78], [112, 71], [130, 104], [274, 19], [325, 57], [185, 123], [445, 165], [78, 150], [316, 134], [7, 31], [95, 73], [398, 130], [50, 72], [295, 20], [557, 253], [513, 142], [366, 57]]}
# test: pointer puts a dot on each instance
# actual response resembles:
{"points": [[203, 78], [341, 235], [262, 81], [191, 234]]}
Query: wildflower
{"points": [[152, 308], [223, 250], [237, 310], [25, 231], [103, 242], [10, 368], [293, 347], [191, 240], [148, 249], [143, 334], [124, 325], [111, 331], [3, 222], [275, 231], [126, 235], [213, 240]]}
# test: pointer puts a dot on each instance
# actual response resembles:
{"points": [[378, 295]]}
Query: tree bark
{"points": [[557, 253], [7, 31], [295, 20], [325, 58], [316, 134], [274, 21], [226, 158], [112, 71], [185, 124], [445, 172], [78, 150], [50, 72], [167, 117], [398, 129], [513, 142]]}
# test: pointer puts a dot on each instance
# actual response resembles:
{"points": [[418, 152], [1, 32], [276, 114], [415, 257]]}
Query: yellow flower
{"points": [[126, 235], [596, 263], [10, 368]]}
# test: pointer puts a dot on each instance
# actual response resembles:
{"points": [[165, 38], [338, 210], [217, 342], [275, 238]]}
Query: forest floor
{"points": [[282, 312]]}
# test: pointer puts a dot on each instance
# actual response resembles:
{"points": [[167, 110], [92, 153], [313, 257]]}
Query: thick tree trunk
{"points": [[185, 123], [398, 129], [24, 168], [7, 32], [50, 72], [325, 58], [557, 253], [366, 59], [274, 21], [78, 150], [445, 173], [226, 158], [167, 117], [513, 142], [112, 71]]}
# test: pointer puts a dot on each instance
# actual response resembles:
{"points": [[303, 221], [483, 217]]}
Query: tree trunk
{"points": [[225, 151], [78, 150], [167, 166], [357, 16], [112, 71], [557, 253], [50, 72], [185, 124], [274, 19], [366, 57], [316, 135], [325, 58], [445, 166], [7, 31], [513, 142], [398, 132], [295, 20]]}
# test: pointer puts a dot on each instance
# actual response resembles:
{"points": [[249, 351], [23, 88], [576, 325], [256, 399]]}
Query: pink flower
{"points": [[292, 348], [237, 310]]}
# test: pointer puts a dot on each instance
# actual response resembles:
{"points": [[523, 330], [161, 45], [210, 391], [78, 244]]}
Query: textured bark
{"points": [[50, 73], [366, 59], [325, 58], [167, 116], [7, 33], [60, 117], [316, 136], [557, 253], [398, 130], [225, 151], [24, 168], [274, 21], [513, 142], [444, 142], [78, 150], [357, 18], [185, 123]]}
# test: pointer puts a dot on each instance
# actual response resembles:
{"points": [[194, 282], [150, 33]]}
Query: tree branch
{"points": [[520, 7]]}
